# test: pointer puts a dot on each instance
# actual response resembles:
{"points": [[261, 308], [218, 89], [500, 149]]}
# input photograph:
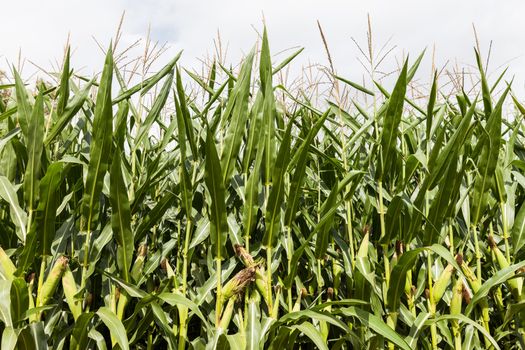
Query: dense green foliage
{"points": [[247, 217]]}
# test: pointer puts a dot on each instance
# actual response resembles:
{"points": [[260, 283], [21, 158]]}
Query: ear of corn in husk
{"points": [[439, 288], [475, 284], [323, 325], [53, 279], [514, 284], [227, 315], [245, 257], [297, 306], [275, 311], [337, 270], [237, 283], [138, 265], [70, 291]]}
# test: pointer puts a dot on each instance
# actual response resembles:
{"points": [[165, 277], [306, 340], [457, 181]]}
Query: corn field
{"points": [[238, 214]]}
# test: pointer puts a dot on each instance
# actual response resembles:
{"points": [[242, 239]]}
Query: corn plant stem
{"points": [[320, 282], [386, 261], [218, 303], [289, 258], [410, 296], [185, 257], [383, 232], [349, 227], [149, 346], [86, 257], [268, 255], [477, 252], [505, 230], [41, 280], [247, 230], [451, 237], [177, 265], [457, 335], [269, 277], [183, 319], [431, 304], [348, 203]]}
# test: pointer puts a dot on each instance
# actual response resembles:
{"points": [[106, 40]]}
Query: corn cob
{"points": [[236, 285], [514, 284], [226, 315], [70, 291], [439, 288], [302, 294], [136, 270], [51, 282]]}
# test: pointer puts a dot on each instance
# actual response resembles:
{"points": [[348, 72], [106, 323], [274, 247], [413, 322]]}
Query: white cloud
{"points": [[40, 28]]}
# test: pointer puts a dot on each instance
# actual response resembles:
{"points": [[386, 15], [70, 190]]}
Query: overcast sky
{"points": [[40, 28]]}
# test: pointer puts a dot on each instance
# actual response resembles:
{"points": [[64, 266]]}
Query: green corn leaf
{"points": [[488, 160], [321, 242], [154, 215], [23, 105], [275, 199], [18, 216], [215, 185], [80, 334], [311, 332], [496, 279], [19, 300], [376, 324], [121, 216], [487, 100], [235, 132], [430, 106], [396, 287], [391, 122], [300, 168], [518, 230], [354, 85], [72, 108], [188, 126], [467, 321], [63, 91], [100, 147], [116, 328], [147, 84], [36, 135], [47, 207], [155, 110]]}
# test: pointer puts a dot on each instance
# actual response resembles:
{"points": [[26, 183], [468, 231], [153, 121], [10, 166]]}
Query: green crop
{"points": [[230, 211]]}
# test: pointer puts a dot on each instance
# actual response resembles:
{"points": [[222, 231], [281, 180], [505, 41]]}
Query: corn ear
{"points": [[337, 270], [51, 283], [238, 282], [504, 263], [297, 306], [227, 315], [275, 310], [441, 284], [457, 297], [138, 265], [70, 291], [469, 274]]}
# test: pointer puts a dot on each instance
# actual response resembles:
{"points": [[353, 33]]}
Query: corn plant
{"points": [[221, 215]]}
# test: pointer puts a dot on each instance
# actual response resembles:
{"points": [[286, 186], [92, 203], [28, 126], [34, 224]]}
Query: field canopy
{"points": [[231, 210]]}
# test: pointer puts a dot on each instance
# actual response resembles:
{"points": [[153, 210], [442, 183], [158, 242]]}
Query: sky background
{"points": [[39, 29]]}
